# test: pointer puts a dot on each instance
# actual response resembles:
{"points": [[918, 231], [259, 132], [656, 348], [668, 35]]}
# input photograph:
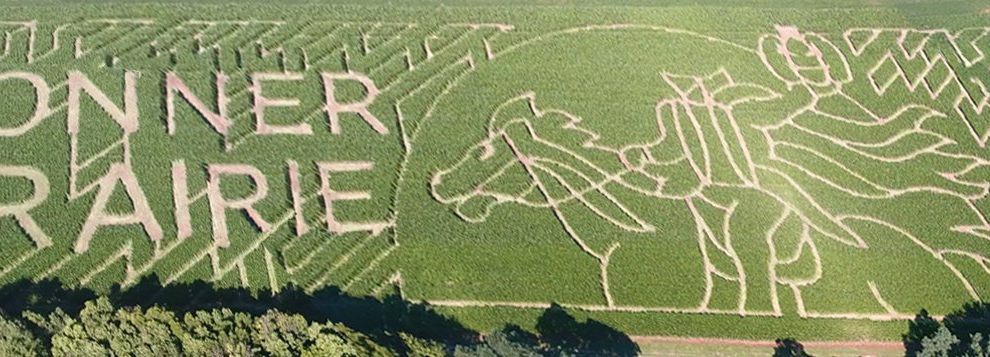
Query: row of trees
{"points": [[101, 329], [197, 319], [45, 319]]}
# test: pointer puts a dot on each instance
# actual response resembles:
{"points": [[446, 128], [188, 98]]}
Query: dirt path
{"points": [[886, 346]]}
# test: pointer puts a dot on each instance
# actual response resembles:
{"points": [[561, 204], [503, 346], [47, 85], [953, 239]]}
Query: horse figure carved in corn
{"points": [[767, 189]]}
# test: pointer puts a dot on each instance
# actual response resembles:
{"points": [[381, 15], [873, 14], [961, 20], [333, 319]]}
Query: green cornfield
{"points": [[745, 170]]}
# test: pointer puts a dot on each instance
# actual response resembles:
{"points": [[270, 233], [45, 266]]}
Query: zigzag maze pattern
{"points": [[942, 64], [409, 62]]}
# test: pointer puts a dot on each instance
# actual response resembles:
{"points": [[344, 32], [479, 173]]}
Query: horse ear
{"points": [[476, 208], [521, 106]]}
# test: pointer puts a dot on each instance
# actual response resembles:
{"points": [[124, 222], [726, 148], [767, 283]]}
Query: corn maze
{"points": [[806, 172]]}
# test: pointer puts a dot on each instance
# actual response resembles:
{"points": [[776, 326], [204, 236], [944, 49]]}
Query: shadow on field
{"points": [[560, 330], [382, 318], [789, 347]]}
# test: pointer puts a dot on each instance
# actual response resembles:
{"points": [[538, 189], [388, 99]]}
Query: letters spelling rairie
{"points": [[122, 173]]}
